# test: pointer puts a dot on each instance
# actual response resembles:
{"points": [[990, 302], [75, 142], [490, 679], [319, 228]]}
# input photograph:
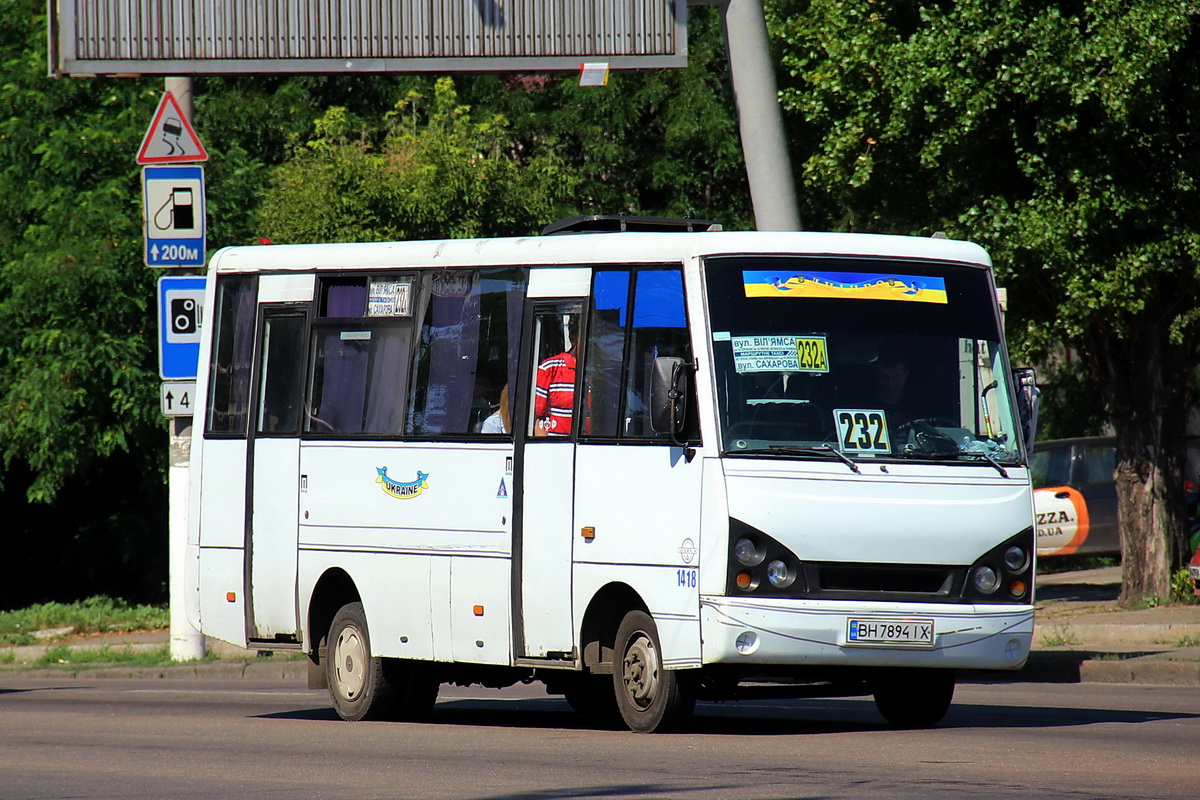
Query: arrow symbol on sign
{"points": [[170, 398], [154, 252]]}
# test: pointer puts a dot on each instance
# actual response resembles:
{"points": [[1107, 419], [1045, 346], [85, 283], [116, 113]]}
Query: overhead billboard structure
{"points": [[207, 37]]}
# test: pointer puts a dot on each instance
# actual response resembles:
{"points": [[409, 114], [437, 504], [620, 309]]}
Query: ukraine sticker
{"points": [[845, 286], [401, 491]]}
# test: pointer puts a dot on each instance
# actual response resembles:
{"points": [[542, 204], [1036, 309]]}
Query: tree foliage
{"points": [[1061, 135], [506, 154], [427, 169], [77, 378]]}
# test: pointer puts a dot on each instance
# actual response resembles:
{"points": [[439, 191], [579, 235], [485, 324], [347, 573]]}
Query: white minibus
{"points": [[644, 467]]}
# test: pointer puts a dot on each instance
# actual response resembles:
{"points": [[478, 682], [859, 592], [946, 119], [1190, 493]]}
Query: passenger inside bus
{"points": [[890, 385], [554, 400], [499, 421]]}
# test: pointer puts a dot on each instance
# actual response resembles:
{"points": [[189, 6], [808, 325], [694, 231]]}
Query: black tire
{"points": [[649, 697], [358, 684], [914, 698], [593, 699]]}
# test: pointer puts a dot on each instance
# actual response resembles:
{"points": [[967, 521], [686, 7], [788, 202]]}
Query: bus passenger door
{"points": [[548, 485], [274, 479]]}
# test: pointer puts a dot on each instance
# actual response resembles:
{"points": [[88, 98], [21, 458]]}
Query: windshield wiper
{"points": [[984, 456], [820, 448]]}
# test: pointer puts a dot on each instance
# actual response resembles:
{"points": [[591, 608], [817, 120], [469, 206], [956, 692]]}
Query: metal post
{"points": [[181, 88], [187, 643], [768, 168]]}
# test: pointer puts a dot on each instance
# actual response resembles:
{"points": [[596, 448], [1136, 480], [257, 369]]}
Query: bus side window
{"points": [[233, 353], [359, 363], [659, 328], [282, 354], [556, 339], [466, 352], [609, 315], [625, 334]]}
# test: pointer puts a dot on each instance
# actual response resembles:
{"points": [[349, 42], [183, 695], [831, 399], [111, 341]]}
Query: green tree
{"points": [[654, 142], [1061, 135], [426, 170], [77, 375]]}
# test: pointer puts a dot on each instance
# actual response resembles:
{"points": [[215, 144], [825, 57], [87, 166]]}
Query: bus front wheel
{"points": [[914, 698], [649, 696]]}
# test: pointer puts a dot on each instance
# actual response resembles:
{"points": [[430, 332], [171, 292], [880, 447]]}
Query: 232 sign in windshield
{"points": [[862, 430]]}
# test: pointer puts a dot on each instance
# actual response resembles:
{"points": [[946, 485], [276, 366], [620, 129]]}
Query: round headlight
{"points": [[1015, 559], [748, 553], [986, 580], [780, 575]]}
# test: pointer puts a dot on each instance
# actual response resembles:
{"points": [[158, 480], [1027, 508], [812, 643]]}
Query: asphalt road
{"points": [[79, 738]]}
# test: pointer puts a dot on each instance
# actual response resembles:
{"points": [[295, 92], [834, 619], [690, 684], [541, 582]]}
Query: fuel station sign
{"points": [[173, 215]]}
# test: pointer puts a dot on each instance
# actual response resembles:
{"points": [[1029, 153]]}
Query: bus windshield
{"points": [[859, 359]]}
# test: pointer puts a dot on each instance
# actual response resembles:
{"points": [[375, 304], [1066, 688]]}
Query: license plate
{"points": [[882, 631]]}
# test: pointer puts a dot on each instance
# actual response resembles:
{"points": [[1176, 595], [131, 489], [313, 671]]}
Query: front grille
{"points": [[851, 581]]}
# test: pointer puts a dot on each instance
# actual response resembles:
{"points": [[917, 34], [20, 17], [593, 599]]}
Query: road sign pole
{"points": [[181, 89], [187, 643]]}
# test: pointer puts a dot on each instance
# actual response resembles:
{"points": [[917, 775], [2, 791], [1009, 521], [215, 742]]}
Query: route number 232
{"points": [[862, 429]]}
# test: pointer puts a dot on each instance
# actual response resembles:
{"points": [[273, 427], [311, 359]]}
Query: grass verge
{"points": [[93, 615], [64, 656]]}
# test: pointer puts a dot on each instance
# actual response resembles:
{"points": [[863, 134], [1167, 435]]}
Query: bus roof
{"points": [[584, 248]]}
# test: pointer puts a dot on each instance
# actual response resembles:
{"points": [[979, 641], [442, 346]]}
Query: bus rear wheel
{"points": [[914, 698], [650, 697], [363, 686], [357, 685]]}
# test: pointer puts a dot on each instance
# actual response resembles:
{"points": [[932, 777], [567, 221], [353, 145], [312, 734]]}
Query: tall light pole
{"points": [[764, 146]]}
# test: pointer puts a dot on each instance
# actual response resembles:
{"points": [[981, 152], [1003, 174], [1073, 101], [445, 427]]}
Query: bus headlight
{"points": [[986, 580], [760, 565], [748, 553], [780, 575], [1016, 559], [1004, 574]]}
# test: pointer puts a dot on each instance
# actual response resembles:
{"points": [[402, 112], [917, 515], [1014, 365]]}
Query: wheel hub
{"points": [[349, 657], [640, 671]]}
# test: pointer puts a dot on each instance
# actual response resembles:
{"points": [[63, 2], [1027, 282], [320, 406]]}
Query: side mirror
{"points": [[668, 395], [1028, 395]]}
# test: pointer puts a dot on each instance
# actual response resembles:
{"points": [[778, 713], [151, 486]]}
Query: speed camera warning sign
{"points": [[180, 318]]}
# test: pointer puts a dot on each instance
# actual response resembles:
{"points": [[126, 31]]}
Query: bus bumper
{"points": [[818, 633]]}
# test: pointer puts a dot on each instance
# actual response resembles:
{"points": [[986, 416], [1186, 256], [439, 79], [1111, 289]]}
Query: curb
{"points": [[258, 671], [1179, 667]]}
